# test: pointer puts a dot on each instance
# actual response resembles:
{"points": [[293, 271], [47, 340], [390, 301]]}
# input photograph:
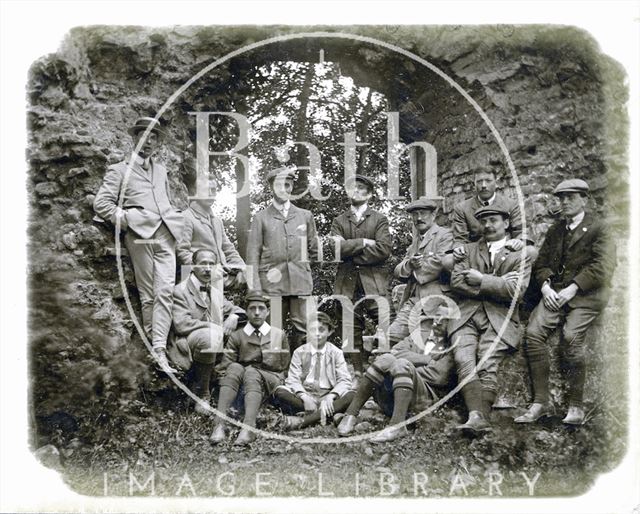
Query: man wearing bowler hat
{"points": [[151, 226], [422, 267], [364, 242], [282, 244], [573, 271], [489, 279]]}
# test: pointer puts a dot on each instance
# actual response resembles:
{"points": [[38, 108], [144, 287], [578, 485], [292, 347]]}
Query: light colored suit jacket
{"points": [[276, 245], [204, 230], [496, 291], [430, 278], [336, 366], [146, 202]]}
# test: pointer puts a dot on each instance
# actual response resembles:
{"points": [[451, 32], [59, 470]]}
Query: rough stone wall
{"points": [[553, 98]]}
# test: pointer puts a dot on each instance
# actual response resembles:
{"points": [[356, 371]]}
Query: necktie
{"points": [[256, 333], [316, 372]]}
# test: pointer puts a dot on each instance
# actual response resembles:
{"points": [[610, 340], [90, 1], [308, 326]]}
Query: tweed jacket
{"points": [[589, 261], [257, 351], [357, 260], [467, 229], [495, 293], [204, 230], [437, 372], [146, 203], [280, 250], [190, 311], [336, 366], [430, 278]]}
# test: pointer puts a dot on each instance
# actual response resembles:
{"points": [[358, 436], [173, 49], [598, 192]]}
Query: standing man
{"points": [[422, 266], [574, 270], [364, 243], [151, 225], [467, 229], [282, 242], [200, 319], [204, 230], [488, 280]]}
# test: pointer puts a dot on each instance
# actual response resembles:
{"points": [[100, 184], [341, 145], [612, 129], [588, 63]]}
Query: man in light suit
{"points": [[364, 241], [201, 315], [282, 243], [489, 279], [574, 272], [204, 230], [423, 267], [152, 226]]}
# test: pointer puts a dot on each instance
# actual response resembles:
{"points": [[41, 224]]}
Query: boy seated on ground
{"points": [[256, 358], [318, 381], [411, 376]]}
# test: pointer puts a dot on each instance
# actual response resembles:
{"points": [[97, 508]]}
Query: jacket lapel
{"points": [[427, 237], [196, 294], [140, 171], [483, 253], [580, 230]]}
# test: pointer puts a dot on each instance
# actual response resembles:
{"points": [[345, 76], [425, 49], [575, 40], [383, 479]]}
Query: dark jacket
{"points": [[357, 260], [467, 229]]}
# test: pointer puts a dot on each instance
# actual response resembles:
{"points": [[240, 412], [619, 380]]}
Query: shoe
{"points": [[162, 362], [390, 434], [204, 410], [244, 438], [218, 435], [370, 405], [476, 423], [347, 424], [337, 418], [575, 416], [535, 412], [292, 422]]}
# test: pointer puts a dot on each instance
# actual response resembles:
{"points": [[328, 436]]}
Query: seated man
{"points": [[422, 266], [200, 316], [411, 376], [256, 358], [318, 381], [489, 279]]}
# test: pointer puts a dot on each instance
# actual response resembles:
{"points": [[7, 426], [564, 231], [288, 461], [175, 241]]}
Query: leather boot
{"points": [[218, 435], [476, 423], [244, 438], [535, 412], [347, 425], [575, 416], [390, 434]]}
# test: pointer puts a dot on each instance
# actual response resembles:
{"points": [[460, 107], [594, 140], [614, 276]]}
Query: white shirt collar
{"points": [[489, 201], [359, 211], [282, 207], [576, 220], [264, 329], [315, 351], [496, 246], [137, 159]]}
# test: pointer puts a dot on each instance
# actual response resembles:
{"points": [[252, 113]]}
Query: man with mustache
{"points": [[151, 226], [574, 272], [489, 279], [422, 267]]}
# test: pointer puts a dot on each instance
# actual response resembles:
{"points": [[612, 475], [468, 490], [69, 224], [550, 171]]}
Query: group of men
{"points": [[457, 318]]}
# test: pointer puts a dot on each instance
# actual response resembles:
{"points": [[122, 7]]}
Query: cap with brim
{"points": [[365, 180], [142, 124], [280, 172], [488, 210], [256, 297], [574, 185], [422, 204]]}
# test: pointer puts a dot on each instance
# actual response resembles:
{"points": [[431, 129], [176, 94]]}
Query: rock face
{"points": [[557, 104]]}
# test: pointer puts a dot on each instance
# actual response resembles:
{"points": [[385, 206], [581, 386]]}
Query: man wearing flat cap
{"points": [[364, 242], [574, 271], [422, 267], [282, 244], [489, 281], [151, 226]]}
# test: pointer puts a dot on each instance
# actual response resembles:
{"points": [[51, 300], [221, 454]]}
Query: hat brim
{"points": [[139, 128], [571, 190]]}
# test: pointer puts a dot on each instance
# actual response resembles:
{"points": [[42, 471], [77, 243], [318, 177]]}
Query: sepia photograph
{"points": [[351, 262]]}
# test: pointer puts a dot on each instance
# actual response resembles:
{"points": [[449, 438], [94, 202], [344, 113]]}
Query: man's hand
{"points": [[415, 261], [550, 298], [230, 324], [514, 244], [310, 404], [326, 405], [567, 294], [459, 253], [368, 242], [472, 277]]}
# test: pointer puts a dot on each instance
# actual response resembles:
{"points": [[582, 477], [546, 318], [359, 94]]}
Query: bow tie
{"points": [[206, 288], [485, 203]]}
